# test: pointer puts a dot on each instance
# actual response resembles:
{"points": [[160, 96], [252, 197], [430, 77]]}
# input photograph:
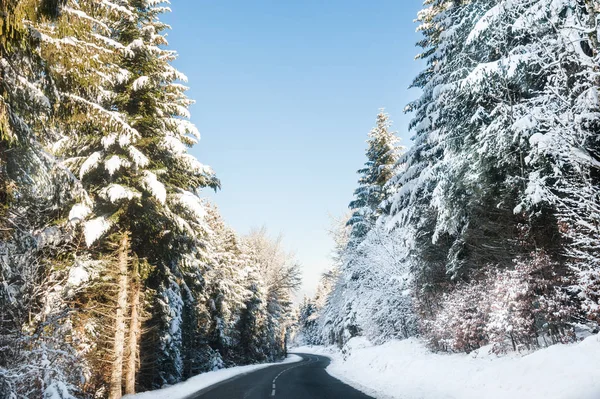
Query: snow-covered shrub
{"points": [[458, 322], [528, 305], [520, 308]]}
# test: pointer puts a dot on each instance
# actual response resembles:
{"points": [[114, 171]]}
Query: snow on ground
{"points": [[408, 370], [201, 381]]}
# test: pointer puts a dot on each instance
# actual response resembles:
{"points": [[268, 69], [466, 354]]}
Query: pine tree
{"points": [[25, 107], [382, 155], [341, 318], [308, 323], [226, 290], [252, 323], [502, 144], [33, 187], [530, 132], [309, 330], [127, 142], [83, 39]]}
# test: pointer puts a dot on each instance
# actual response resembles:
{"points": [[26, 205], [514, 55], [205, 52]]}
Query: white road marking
{"points": [[293, 367]]}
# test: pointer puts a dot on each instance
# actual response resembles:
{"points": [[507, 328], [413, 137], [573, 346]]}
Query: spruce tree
{"points": [[369, 204], [529, 136], [382, 155], [503, 143], [133, 163], [34, 187], [227, 290]]}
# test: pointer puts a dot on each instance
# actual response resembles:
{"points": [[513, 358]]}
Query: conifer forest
{"points": [[118, 275]]}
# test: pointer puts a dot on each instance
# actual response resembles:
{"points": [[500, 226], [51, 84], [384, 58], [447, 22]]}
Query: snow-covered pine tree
{"points": [[252, 323], [308, 332], [156, 105], [341, 319], [26, 99], [438, 201], [126, 138], [534, 131], [382, 155], [561, 124], [24, 106], [309, 329], [226, 287], [36, 359], [482, 184], [82, 58], [434, 197]]}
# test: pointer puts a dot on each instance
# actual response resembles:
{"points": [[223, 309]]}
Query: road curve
{"points": [[303, 380]]}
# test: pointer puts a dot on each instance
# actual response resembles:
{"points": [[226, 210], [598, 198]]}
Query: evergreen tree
{"points": [[500, 186], [308, 328], [502, 77], [382, 155], [251, 324], [228, 290], [36, 358], [342, 319], [132, 160]]}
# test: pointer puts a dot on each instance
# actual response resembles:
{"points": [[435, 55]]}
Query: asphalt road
{"points": [[302, 380]]}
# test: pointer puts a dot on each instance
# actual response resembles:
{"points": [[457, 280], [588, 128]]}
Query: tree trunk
{"points": [[593, 10], [116, 377], [134, 332], [4, 189]]}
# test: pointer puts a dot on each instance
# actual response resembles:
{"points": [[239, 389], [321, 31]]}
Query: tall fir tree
{"points": [[228, 289], [133, 162], [482, 186], [382, 155], [37, 358]]}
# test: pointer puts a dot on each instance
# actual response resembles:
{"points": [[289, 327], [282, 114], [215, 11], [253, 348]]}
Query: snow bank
{"points": [[408, 370], [201, 381]]}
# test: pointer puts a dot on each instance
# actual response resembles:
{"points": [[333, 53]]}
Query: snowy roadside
{"points": [[201, 381], [408, 370]]}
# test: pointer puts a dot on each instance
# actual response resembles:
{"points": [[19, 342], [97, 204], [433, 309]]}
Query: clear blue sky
{"points": [[286, 92]]}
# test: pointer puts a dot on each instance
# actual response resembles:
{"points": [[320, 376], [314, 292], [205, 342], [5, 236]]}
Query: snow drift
{"points": [[408, 370]]}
